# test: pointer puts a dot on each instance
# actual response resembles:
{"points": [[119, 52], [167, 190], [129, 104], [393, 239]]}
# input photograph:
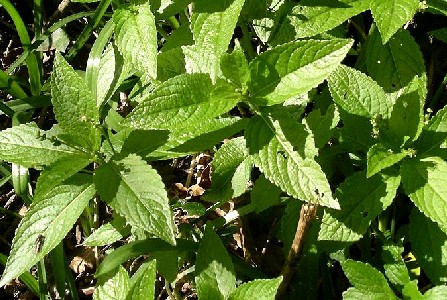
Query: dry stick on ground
{"points": [[307, 215]]}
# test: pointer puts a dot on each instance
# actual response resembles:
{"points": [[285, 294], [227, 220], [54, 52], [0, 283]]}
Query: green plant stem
{"points": [[393, 223], [173, 22], [58, 263], [441, 88], [7, 82], [134, 249], [307, 215], [62, 273], [85, 34], [6, 109], [246, 42], [43, 282], [30, 50], [383, 222], [10, 212], [171, 294], [38, 17], [31, 61], [94, 58], [162, 31], [38, 29]]}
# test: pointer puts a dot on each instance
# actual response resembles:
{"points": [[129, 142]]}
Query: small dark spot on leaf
{"points": [[282, 153]]}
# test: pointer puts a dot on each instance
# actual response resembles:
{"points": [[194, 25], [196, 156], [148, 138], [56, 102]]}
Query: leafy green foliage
{"points": [[74, 108], [264, 289], [214, 270], [358, 94], [182, 99], [316, 129], [29, 146], [361, 200], [231, 171], [390, 15], [142, 282], [136, 38], [424, 180], [47, 222], [293, 69], [368, 282], [312, 17], [212, 25], [391, 65], [299, 176], [114, 287], [380, 158], [138, 194], [430, 246]]}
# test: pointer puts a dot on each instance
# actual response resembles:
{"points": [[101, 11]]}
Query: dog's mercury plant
{"points": [[321, 122]]}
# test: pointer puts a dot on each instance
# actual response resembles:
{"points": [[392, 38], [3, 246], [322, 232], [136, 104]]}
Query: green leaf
{"points": [[136, 38], [312, 17], [108, 233], [357, 132], [57, 172], [293, 69], [379, 158], [435, 293], [361, 200], [142, 283], [407, 117], [212, 26], [183, 100], [322, 126], [74, 106], [390, 15], [167, 262], [28, 146], [181, 36], [260, 289], [58, 40], [395, 269], [434, 133], [105, 235], [231, 170], [235, 68], [358, 94], [140, 142], [425, 182], [170, 64], [112, 72], [429, 245], [114, 287], [214, 274], [368, 282], [264, 194], [394, 64], [286, 164], [171, 7], [135, 191], [440, 34], [46, 223], [137, 248], [189, 139], [411, 291]]}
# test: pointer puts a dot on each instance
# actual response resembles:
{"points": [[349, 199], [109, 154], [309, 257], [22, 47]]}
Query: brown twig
{"points": [[307, 215], [59, 11]]}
